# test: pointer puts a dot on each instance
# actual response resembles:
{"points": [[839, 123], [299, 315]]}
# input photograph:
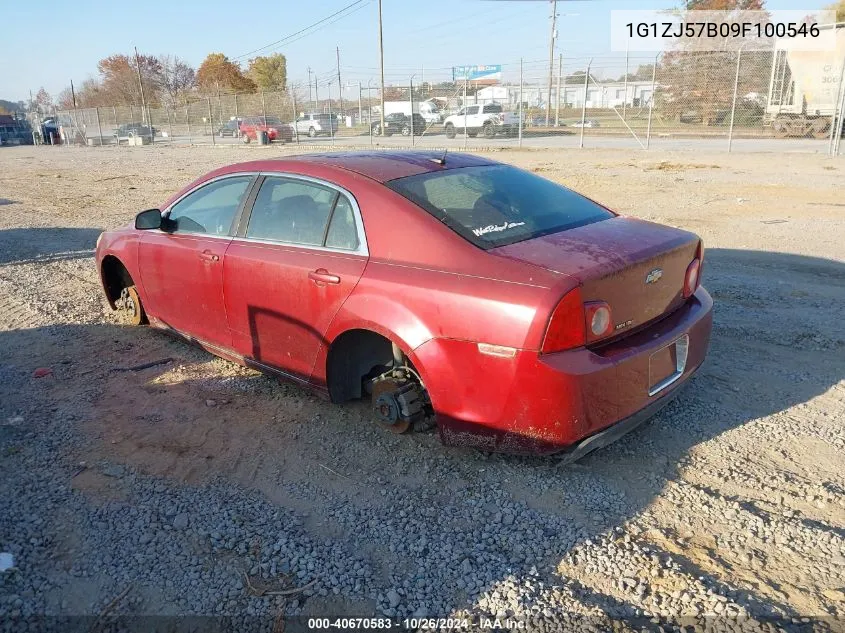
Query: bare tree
{"points": [[177, 78]]}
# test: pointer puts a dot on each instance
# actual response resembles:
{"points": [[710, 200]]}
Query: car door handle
{"points": [[323, 276], [208, 256]]}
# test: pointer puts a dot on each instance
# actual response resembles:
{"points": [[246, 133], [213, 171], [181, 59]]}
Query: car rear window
{"points": [[497, 205]]}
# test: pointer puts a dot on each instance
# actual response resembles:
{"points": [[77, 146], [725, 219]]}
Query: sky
{"points": [[58, 41]]}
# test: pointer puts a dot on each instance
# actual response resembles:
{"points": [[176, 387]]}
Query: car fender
{"points": [[376, 313], [123, 245]]}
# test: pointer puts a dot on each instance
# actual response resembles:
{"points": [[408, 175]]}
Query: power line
{"points": [[317, 23], [337, 19]]}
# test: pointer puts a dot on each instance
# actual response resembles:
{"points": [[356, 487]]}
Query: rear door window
{"points": [[293, 211], [342, 233]]}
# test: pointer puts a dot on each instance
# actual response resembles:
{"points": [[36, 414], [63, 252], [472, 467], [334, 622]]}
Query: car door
{"points": [[294, 262], [473, 117], [182, 266]]}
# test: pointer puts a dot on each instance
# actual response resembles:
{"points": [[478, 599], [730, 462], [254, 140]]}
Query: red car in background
{"points": [[276, 130], [517, 314]]}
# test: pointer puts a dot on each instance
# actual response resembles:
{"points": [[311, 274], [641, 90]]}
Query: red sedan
{"points": [[517, 314], [276, 130]]}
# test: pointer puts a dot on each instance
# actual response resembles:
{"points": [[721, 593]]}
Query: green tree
{"points": [[269, 73]]}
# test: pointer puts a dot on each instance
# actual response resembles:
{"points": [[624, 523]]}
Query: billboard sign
{"points": [[477, 73]]}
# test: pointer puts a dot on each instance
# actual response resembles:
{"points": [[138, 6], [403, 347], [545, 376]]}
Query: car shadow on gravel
{"points": [[403, 525], [46, 244]]}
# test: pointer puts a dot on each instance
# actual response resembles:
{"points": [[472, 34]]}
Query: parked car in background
{"points": [[398, 123], [50, 131], [488, 120], [229, 128], [517, 314], [428, 110], [275, 128], [316, 124], [15, 130], [134, 129]]}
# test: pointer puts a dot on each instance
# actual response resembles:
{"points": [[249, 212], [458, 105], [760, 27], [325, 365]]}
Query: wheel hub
{"points": [[126, 303], [387, 405]]}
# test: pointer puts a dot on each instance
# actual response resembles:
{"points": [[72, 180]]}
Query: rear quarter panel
{"points": [[423, 281]]}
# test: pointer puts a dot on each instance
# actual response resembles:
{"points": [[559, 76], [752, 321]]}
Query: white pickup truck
{"points": [[488, 120]]}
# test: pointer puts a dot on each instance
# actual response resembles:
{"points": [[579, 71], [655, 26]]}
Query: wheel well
{"points": [[352, 356], [115, 278]]}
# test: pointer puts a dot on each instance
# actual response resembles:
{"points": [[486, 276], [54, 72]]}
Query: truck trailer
{"points": [[805, 90]]}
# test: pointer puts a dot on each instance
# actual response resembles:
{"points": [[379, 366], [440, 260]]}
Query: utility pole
{"points": [[381, 59], [551, 60], [316, 96], [310, 94], [141, 86], [73, 94], [557, 101], [360, 98], [339, 85]]}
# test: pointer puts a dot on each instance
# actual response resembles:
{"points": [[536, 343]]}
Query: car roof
{"points": [[391, 164], [381, 166]]}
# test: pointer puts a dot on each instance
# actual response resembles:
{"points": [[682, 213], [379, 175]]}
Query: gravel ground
{"points": [[200, 487]]}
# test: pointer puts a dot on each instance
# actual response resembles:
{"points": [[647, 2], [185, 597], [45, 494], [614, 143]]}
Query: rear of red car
{"points": [[621, 327]]}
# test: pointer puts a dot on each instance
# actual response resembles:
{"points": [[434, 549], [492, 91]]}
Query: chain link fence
{"points": [[763, 99]]}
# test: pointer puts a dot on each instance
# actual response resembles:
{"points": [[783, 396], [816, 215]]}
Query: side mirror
{"points": [[149, 219]]}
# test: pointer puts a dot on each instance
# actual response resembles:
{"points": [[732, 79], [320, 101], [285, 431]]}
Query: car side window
{"points": [[342, 232], [210, 209], [292, 211]]}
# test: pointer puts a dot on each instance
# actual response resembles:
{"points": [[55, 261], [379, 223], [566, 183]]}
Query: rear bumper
{"points": [[543, 404], [612, 433]]}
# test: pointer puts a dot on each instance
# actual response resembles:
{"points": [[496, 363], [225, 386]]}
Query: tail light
{"points": [[598, 319], [692, 278], [566, 327]]}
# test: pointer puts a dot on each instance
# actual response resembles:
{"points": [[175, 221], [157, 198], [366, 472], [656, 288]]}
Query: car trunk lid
{"points": [[637, 267]]}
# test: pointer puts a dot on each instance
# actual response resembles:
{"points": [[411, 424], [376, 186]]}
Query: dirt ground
{"points": [[740, 484]]}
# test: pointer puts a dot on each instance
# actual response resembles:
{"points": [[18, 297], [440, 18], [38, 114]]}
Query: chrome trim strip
{"points": [[324, 249], [681, 354]]}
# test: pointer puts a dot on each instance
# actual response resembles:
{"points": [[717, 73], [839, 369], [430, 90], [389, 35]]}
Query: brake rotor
{"points": [[386, 408]]}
